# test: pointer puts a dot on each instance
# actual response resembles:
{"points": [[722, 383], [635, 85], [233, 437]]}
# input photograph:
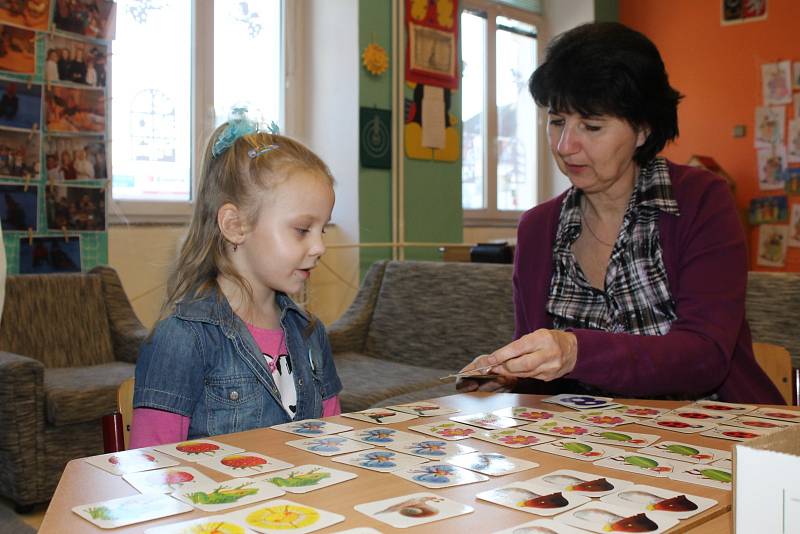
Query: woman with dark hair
{"points": [[632, 282]]}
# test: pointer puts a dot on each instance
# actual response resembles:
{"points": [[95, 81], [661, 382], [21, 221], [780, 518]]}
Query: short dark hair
{"points": [[606, 68]]}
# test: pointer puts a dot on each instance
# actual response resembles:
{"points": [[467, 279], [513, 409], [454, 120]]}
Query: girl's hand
{"points": [[543, 354], [501, 384]]}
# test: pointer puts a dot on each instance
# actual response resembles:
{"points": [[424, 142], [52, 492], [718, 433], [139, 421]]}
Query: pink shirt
{"points": [[155, 427]]}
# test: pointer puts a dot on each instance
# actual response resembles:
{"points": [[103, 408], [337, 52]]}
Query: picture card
{"points": [[196, 450], [379, 460], [75, 158], [772, 242], [734, 433], [129, 510], [380, 416], [776, 79], [432, 449], [449, 430], [44, 255], [245, 464], [379, 435], [645, 412], [72, 109], [532, 498], [491, 463], [166, 480], [581, 483], [218, 496], [19, 154], [424, 409], [21, 105], [18, 206], [527, 413], [758, 423], [19, 48], [439, 475], [545, 526], [578, 450], [211, 524], [120, 463], [642, 464], [305, 478], [769, 126], [777, 413], [713, 476], [580, 402], [487, 420], [329, 445], [722, 407], [644, 498], [617, 437], [675, 424], [700, 415], [311, 427], [513, 437], [603, 517], [75, 208], [685, 452], [284, 515], [599, 418], [413, 510], [564, 428]]}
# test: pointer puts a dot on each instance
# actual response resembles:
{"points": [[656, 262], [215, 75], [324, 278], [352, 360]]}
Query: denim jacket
{"points": [[202, 362]]}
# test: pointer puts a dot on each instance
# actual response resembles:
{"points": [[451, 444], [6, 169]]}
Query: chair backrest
{"points": [[59, 319], [777, 364], [772, 309], [125, 407]]}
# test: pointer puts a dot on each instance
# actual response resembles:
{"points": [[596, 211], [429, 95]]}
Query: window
{"points": [[178, 68], [498, 54]]}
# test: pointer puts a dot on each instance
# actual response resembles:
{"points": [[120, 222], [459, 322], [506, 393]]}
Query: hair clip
{"points": [[255, 152], [239, 125]]}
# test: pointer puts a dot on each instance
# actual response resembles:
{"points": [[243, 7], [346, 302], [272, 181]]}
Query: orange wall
{"points": [[718, 68]]}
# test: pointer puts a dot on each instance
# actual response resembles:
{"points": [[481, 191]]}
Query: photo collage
{"points": [[54, 167]]}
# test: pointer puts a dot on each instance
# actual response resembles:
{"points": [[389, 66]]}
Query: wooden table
{"points": [[82, 483]]}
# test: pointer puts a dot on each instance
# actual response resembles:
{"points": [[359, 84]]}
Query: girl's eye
{"points": [[593, 128], [556, 122], [302, 231]]}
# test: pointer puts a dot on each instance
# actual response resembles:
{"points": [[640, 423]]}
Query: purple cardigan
{"points": [[707, 350]]}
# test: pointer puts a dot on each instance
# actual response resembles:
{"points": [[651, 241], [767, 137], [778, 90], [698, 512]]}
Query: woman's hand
{"points": [[501, 384], [543, 354]]}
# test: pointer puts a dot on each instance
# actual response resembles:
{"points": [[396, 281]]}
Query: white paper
{"points": [[433, 111]]}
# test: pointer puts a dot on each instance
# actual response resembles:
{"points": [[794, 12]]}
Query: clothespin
{"points": [[30, 81], [66, 237], [34, 128], [30, 236], [27, 177]]}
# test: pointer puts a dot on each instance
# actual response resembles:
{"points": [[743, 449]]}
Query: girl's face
{"points": [[285, 243], [595, 153]]}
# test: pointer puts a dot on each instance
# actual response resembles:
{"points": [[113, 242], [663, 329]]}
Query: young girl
{"points": [[235, 352]]}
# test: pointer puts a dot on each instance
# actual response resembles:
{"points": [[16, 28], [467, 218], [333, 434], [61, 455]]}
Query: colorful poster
{"points": [[432, 46], [776, 81]]}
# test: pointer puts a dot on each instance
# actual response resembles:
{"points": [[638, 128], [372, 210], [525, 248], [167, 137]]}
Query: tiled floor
{"points": [[33, 519]]}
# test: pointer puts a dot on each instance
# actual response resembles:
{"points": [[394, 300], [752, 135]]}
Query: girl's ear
{"points": [[641, 135], [231, 223]]}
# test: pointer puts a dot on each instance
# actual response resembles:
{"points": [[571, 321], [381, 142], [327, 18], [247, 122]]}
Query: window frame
{"points": [[491, 215], [202, 115]]}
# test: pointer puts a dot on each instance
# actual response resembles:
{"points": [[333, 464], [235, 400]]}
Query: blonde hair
{"points": [[235, 177]]}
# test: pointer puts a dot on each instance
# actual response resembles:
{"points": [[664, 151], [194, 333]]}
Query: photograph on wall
{"points": [[772, 240], [794, 227], [75, 158], [19, 154], [69, 109], [769, 210], [74, 208], [431, 50], [45, 255], [771, 164], [31, 14], [738, 11], [89, 18], [72, 61], [17, 50], [776, 83], [769, 130], [18, 206], [793, 141], [20, 105]]}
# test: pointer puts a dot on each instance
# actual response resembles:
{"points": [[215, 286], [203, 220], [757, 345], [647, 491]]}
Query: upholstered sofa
{"points": [[66, 343], [413, 322]]}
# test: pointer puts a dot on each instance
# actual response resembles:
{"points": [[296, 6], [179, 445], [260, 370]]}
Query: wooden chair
{"points": [[117, 426], [777, 364]]}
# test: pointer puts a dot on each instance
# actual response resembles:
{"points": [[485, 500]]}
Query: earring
{"points": [[235, 246]]}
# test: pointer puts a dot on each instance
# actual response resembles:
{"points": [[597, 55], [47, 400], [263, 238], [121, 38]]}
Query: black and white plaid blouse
{"points": [[636, 299]]}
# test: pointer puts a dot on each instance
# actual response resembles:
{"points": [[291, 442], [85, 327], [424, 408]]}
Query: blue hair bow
{"points": [[238, 126]]}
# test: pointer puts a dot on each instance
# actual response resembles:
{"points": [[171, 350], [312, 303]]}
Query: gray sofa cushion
{"points": [[81, 394], [367, 381], [441, 315]]}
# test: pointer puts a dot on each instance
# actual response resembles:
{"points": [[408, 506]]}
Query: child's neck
{"points": [[262, 311]]}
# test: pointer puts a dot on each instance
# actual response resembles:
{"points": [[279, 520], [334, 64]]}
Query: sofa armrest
{"points": [[127, 331], [22, 423], [349, 332]]}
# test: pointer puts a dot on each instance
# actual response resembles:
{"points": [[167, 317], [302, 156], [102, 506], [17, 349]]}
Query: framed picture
{"points": [[73, 61], [18, 206], [19, 154], [44, 255], [69, 109], [75, 158], [17, 50], [20, 105], [738, 11], [76, 208]]}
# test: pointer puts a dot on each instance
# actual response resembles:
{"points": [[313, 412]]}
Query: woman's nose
{"points": [[567, 142]]}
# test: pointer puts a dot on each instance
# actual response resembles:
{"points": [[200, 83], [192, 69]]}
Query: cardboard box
{"points": [[766, 491]]}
